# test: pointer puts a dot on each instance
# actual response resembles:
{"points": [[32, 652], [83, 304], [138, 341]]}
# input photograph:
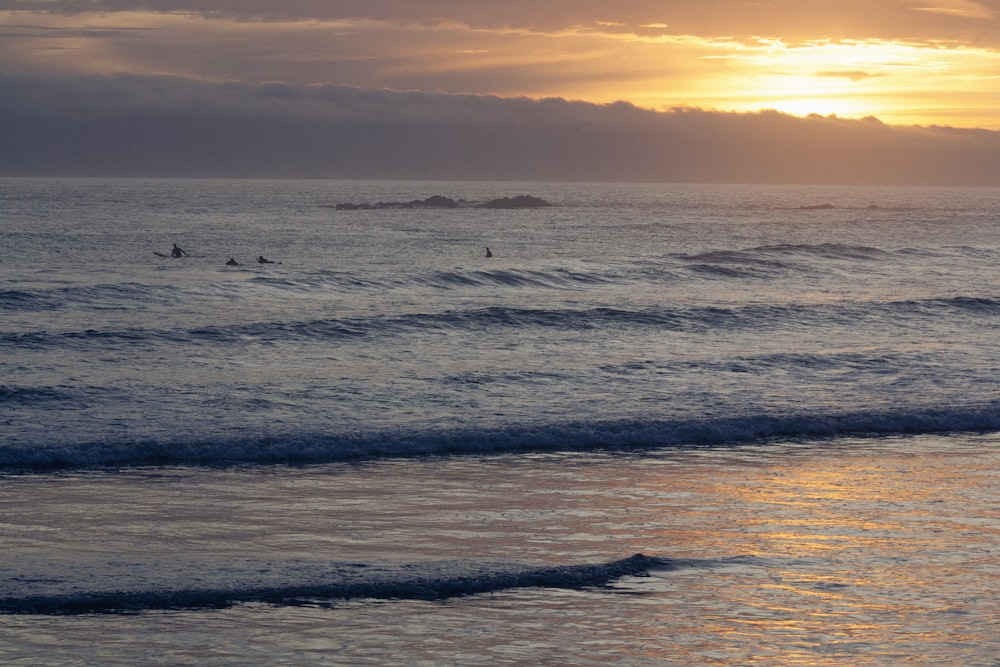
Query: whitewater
{"points": [[660, 424]]}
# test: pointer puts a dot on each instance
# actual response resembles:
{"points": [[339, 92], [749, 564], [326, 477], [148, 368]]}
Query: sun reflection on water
{"points": [[860, 553]]}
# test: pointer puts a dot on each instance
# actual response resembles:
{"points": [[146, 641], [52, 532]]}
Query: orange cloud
{"points": [[855, 58], [961, 8]]}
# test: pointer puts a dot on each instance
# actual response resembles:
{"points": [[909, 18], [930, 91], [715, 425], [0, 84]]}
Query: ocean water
{"points": [[661, 425]]}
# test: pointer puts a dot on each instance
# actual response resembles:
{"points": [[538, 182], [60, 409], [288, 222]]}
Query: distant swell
{"points": [[424, 582], [570, 436], [667, 317]]}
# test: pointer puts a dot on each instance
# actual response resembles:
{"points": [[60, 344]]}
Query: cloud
{"points": [[802, 57], [966, 9], [600, 61], [790, 19], [156, 126]]}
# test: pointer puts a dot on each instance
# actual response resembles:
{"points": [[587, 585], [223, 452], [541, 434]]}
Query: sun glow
{"points": [[804, 95], [895, 81]]}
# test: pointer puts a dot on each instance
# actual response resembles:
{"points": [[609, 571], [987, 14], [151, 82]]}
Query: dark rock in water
{"points": [[434, 201], [817, 207], [439, 201], [520, 201]]}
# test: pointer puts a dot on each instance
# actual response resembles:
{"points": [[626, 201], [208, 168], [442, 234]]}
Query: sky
{"points": [[811, 91]]}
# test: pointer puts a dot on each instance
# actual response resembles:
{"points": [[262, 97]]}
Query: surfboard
{"points": [[160, 254]]}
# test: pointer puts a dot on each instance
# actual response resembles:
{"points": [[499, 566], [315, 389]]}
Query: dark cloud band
{"points": [[147, 126]]}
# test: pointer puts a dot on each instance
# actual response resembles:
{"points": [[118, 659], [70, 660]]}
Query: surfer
{"points": [[488, 253], [233, 262], [261, 260], [178, 251]]}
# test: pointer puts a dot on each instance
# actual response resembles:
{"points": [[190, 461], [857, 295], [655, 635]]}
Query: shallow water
{"points": [[870, 552]]}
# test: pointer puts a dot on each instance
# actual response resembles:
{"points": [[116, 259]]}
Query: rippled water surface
{"points": [[662, 424]]}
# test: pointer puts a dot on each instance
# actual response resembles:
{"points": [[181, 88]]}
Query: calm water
{"points": [[385, 448]]}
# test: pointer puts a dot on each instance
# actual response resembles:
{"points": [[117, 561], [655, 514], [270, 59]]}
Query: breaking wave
{"points": [[303, 448], [300, 584]]}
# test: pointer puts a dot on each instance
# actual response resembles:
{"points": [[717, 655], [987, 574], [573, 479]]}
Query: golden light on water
{"points": [[863, 547]]}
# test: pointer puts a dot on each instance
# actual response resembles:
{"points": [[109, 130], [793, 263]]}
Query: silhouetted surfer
{"points": [[261, 260], [488, 253], [233, 262], [178, 251]]}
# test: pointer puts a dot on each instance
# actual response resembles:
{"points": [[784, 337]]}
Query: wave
{"points": [[554, 278], [789, 260], [787, 361], [675, 318], [99, 297], [789, 250], [421, 581], [132, 296], [550, 279], [756, 263], [610, 435], [27, 300], [975, 305], [33, 395]]}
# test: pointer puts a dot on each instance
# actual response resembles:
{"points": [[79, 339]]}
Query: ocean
{"points": [[660, 425]]}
